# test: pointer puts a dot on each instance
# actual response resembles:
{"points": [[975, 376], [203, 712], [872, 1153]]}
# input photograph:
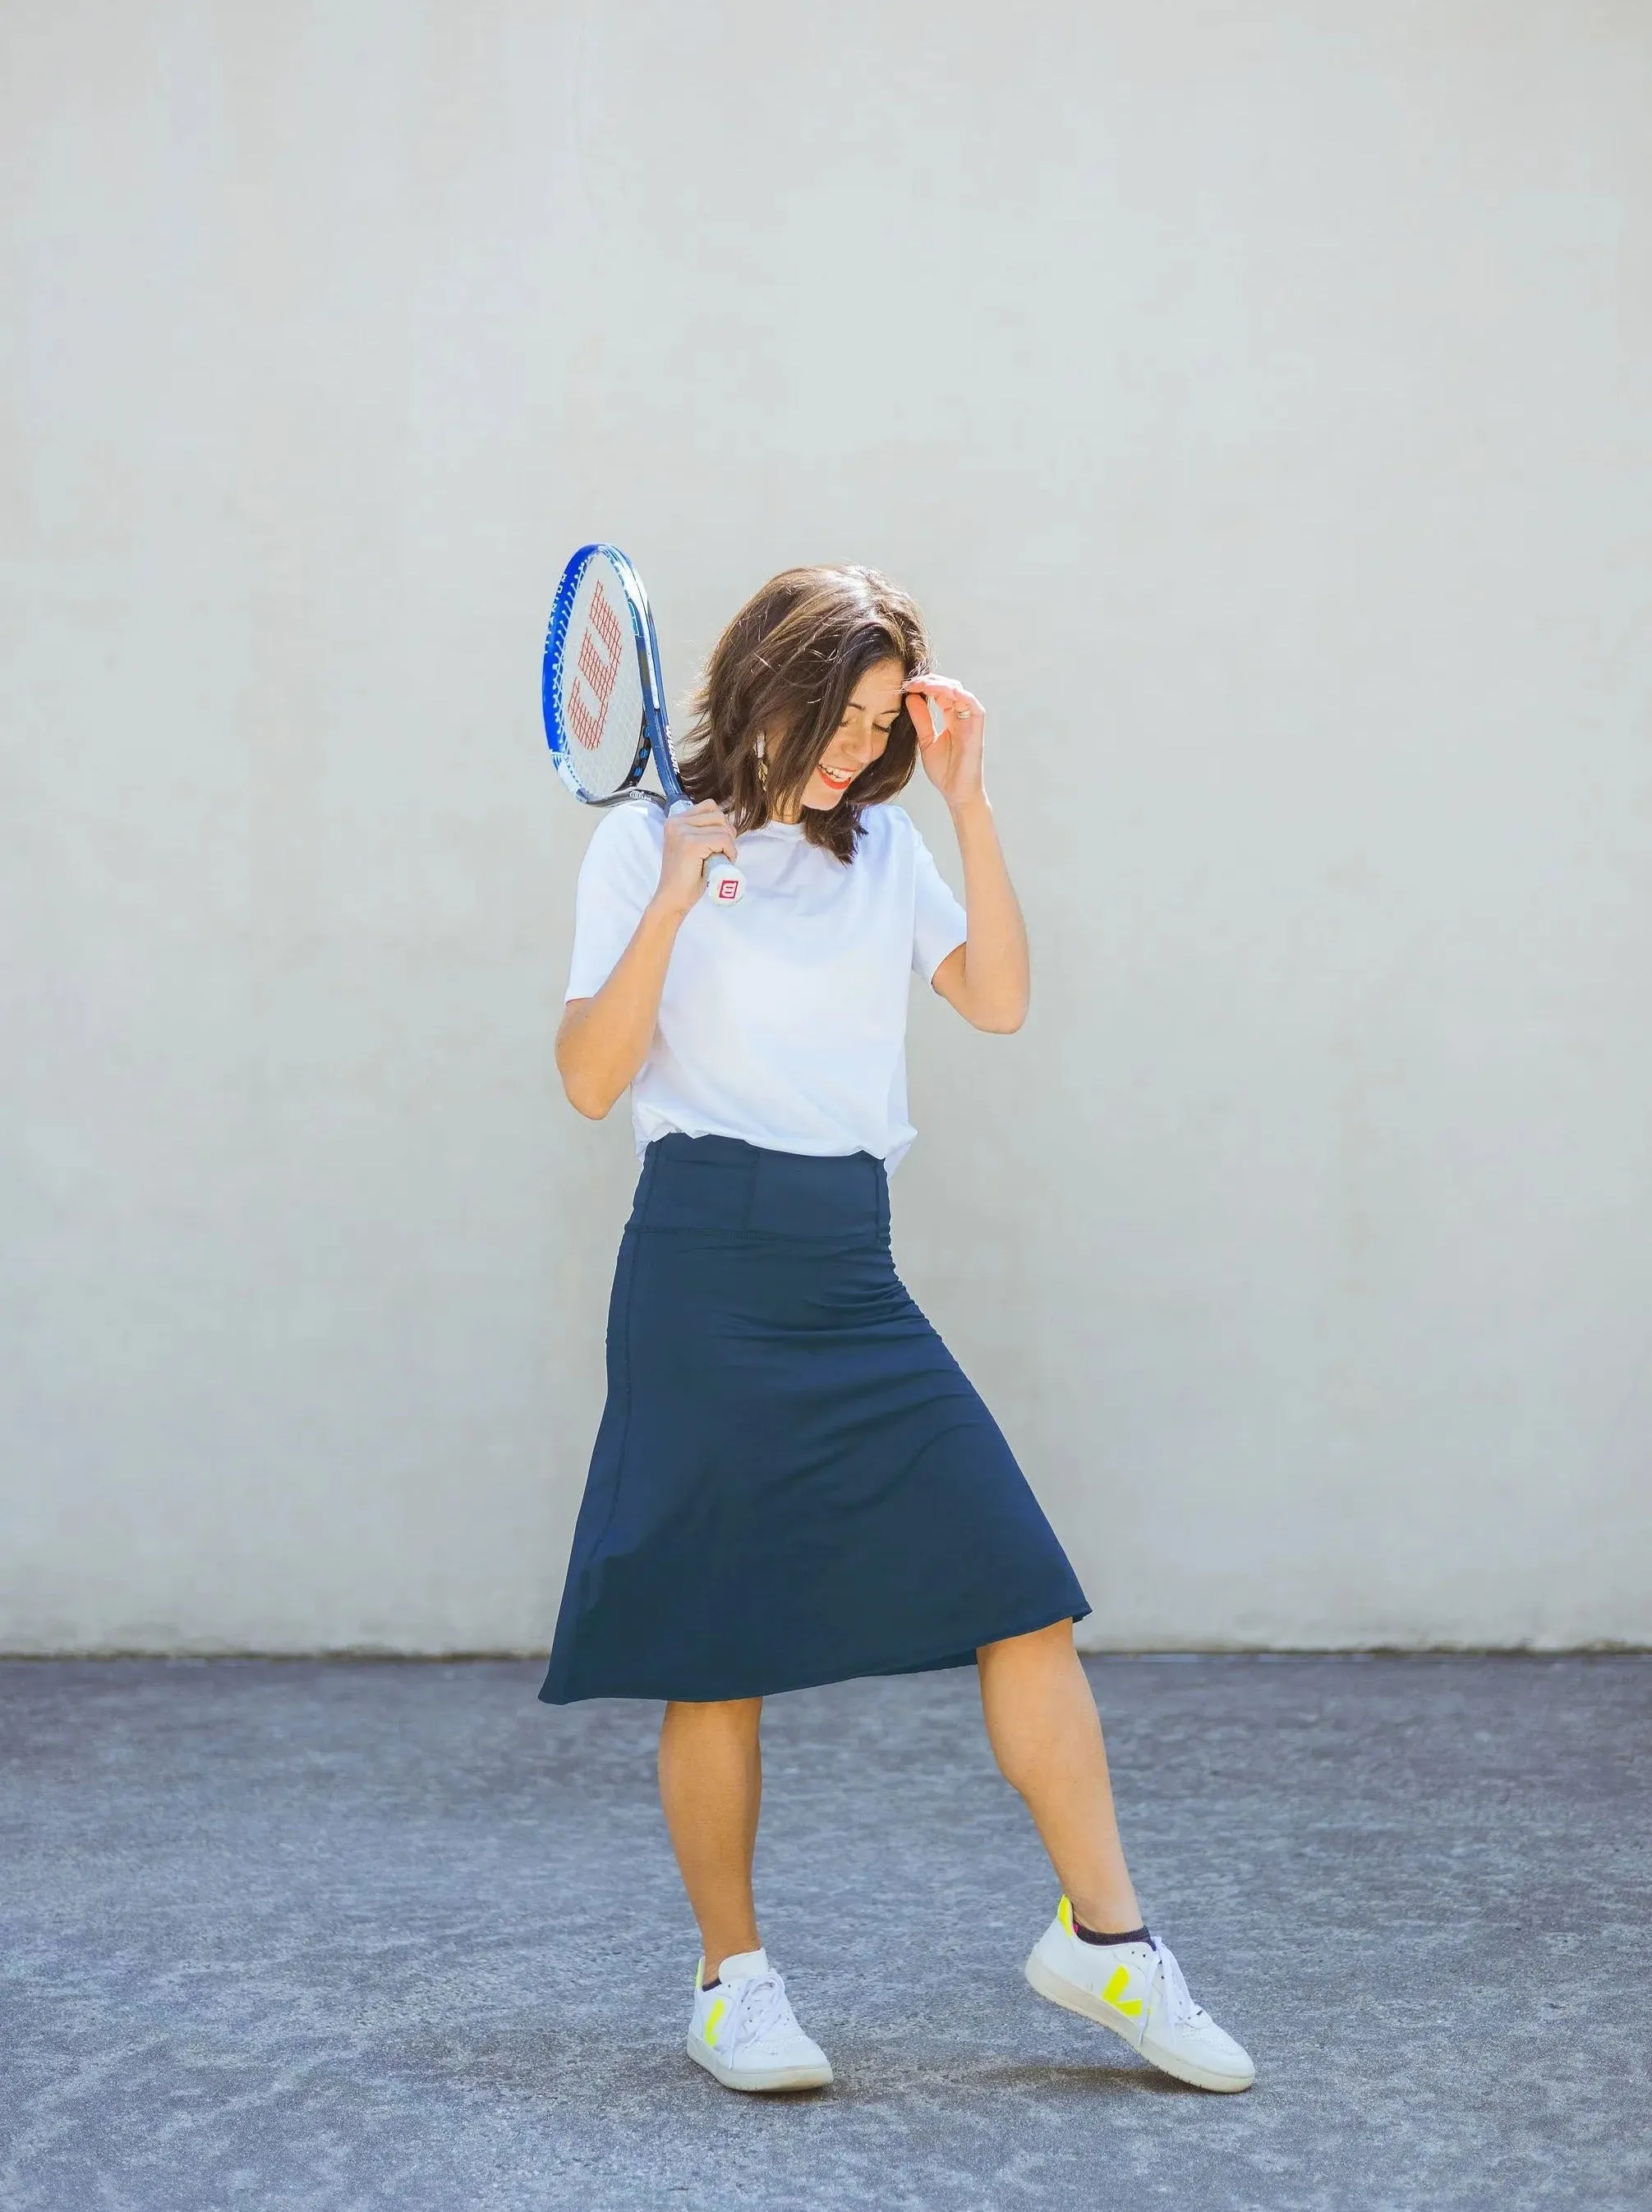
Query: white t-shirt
{"points": [[783, 1019]]}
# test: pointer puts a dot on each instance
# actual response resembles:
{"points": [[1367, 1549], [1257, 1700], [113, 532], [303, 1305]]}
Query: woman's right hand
{"points": [[691, 837]]}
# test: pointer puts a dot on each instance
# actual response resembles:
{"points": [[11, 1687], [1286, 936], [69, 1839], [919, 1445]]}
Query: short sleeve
{"points": [[938, 922], [618, 876]]}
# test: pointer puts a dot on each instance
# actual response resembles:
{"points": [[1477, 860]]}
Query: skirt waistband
{"points": [[722, 1183]]}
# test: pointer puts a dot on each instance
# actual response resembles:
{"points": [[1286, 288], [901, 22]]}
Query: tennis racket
{"points": [[604, 700]]}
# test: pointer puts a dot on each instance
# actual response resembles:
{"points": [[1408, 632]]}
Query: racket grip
{"points": [[724, 882]]}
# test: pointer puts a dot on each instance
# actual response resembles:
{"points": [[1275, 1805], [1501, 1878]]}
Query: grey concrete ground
{"points": [[343, 1935]]}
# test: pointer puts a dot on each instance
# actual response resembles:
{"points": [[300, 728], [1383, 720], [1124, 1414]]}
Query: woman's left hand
{"points": [[951, 755]]}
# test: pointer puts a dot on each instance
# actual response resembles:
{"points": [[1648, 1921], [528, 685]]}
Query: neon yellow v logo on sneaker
{"points": [[1113, 1994]]}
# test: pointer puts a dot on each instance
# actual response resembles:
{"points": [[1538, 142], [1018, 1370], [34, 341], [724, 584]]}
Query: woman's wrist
{"points": [[661, 917], [976, 808]]}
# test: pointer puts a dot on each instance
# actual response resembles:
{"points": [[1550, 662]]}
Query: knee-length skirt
{"points": [[794, 1480]]}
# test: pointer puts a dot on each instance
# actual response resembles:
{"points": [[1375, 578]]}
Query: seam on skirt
{"points": [[863, 1236], [751, 1169]]}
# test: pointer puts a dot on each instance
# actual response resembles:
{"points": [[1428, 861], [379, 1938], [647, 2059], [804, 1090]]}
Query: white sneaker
{"points": [[1137, 1990], [745, 2033]]}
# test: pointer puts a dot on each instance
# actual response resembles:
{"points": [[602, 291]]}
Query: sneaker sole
{"points": [[770, 2079], [1072, 1998]]}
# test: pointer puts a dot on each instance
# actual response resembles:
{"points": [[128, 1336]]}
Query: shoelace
{"points": [[758, 2004], [1178, 1999]]}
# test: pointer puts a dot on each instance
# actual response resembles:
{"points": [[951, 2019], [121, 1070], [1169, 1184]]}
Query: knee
{"points": [[1038, 1647], [738, 1717]]}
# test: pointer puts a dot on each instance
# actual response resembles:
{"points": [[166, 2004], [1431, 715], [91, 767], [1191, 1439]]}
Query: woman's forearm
{"points": [[995, 982], [603, 1041]]}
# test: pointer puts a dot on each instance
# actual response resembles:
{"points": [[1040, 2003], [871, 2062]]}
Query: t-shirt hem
{"points": [[766, 1143]]}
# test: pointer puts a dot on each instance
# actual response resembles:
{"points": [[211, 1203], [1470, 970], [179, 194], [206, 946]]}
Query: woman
{"points": [[793, 1483]]}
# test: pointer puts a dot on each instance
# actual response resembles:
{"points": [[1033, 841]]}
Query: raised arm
{"points": [[603, 1040], [988, 978]]}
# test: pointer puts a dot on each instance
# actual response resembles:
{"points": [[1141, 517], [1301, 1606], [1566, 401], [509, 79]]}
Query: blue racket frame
{"points": [[655, 739]]}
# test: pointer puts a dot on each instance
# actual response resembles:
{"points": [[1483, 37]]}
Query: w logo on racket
{"points": [[597, 672]]}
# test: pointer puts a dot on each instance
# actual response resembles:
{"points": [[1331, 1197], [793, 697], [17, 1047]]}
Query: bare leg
{"points": [[1046, 1736], [711, 1787]]}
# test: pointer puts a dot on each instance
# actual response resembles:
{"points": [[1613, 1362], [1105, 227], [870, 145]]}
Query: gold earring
{"points": [[763, 766]]}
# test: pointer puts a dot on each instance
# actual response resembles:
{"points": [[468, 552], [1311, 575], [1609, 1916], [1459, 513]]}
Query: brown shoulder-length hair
{"points": [[783, 671]]}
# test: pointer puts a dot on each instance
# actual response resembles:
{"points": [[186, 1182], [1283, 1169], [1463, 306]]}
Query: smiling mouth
{"points": [[836, 779]]}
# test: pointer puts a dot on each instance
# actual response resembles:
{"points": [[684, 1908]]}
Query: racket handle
{"points": [[723, 881]]}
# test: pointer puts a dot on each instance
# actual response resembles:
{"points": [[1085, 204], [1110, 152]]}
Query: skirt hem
{"points": [[856, 1672]]}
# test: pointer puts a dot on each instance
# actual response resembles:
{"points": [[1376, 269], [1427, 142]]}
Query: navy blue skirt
{"points": [[794, 1482]]}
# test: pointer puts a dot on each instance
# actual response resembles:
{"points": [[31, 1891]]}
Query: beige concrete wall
{"points": [[1258, 398]]}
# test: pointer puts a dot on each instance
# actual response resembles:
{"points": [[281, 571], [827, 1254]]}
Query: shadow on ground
{"points": [[335, 1936]]}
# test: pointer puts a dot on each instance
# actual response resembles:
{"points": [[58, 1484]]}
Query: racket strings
{"points": [[596, 681]]}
